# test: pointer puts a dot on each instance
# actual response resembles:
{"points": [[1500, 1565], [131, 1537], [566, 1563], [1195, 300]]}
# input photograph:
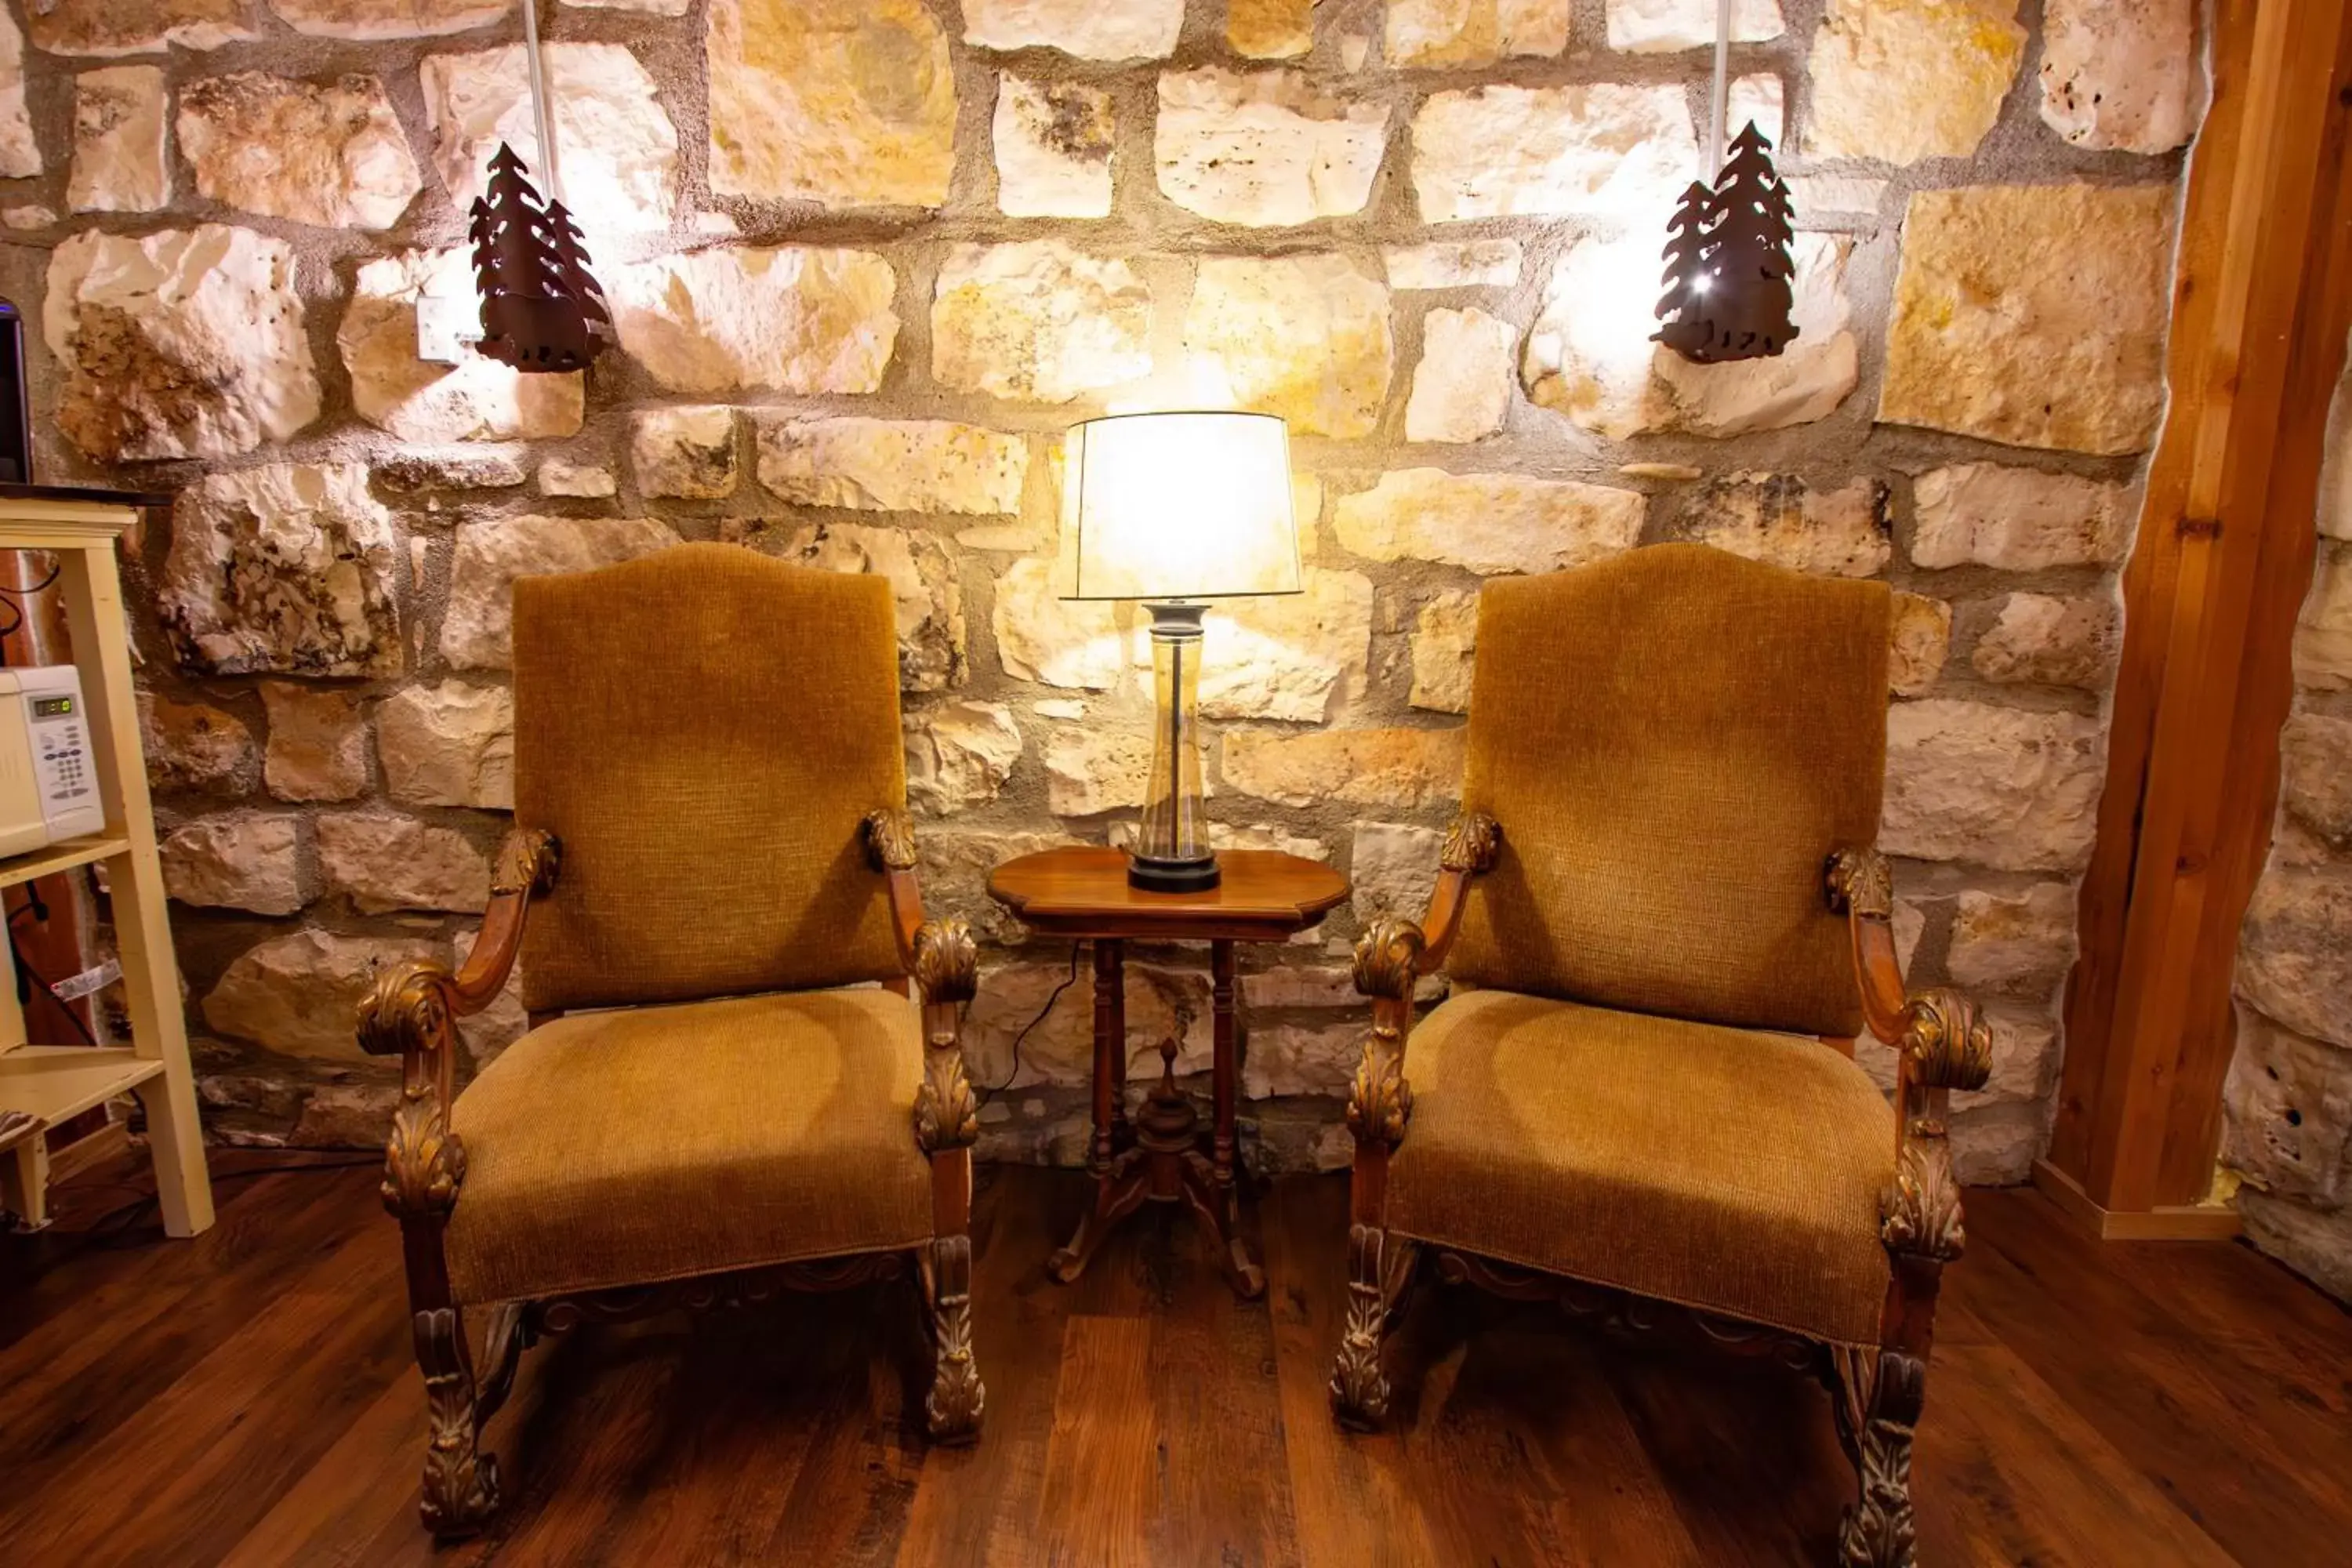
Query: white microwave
{"points": [[48, 776]]}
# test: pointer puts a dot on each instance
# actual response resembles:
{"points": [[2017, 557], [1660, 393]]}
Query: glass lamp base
{"points": [[1154, 876]]}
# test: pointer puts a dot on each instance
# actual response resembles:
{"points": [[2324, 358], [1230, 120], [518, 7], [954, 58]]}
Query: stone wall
{"points": [[867, 257], [2287, 1103]]}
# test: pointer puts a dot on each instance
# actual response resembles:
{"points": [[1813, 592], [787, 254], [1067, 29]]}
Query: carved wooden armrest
{"points": [[944, 963], [1942, 1044], [1392, 954], [411, 1011]]}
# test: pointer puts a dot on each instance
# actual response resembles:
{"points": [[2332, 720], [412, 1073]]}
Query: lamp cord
{"points": [[991, 1093], [1719, 98]]}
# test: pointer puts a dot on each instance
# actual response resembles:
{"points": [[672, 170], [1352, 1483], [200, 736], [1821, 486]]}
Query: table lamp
{"points": [[1173, 509]]}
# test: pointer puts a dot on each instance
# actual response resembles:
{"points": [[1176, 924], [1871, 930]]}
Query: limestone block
{"points": [[1292, 656], [1302, 1059], [955, 861], [1778, 518], [179, 343], [1454, 264], [237, 860], [1445, 646], [1053, 141], [1270, 30], [1900, 81], [1305, 337], [1590, 148], [1037, 323], [298, 995], [1091, 771], [846, 103], [2120, 73], [2316, 1244], [476, 399], [2295, 956], [476, 629], [1996, 786], [2315, 785], [1160, 1004], [450, 744], [286, 568], [1392, 870], [2323, 633], [119, 161], [960, 756], [1601, 368], [331, 153], [2287, 1105], [2018, 943], [196, 746], [1473, 32], [2020, 520], [318, 746], [418, 471], [383, 860], [2053, 639], [1462, 388], [111, 27], [922, 578], [2033, 315], [20, 151], [688, 453], [1405, 768], [579, 481], [1487, 523], [619, 148], [893, 465], [1089, 29], [1661, 26], [1043, 637], [787, 317], [373, 20], [1265, 149], [1918, 638]]}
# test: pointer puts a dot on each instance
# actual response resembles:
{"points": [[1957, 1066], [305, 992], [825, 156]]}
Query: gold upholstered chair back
{"points": [[1674, 741], [704, 730]]}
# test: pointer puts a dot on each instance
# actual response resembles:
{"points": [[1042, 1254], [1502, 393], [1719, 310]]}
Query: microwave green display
{"points": [[52, 707]]}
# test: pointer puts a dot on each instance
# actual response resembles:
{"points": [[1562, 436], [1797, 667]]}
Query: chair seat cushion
{"points": [[1726, 1169], [651, 1143]]}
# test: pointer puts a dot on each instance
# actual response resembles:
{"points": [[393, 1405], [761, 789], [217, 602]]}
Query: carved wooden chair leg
{"points": [[461, 1482], [957, 1401], [1380, 1269], [1880, 1530]]}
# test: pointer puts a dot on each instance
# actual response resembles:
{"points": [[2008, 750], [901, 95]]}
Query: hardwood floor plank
{"points": [[2006, 1473], [1102, 1461]]}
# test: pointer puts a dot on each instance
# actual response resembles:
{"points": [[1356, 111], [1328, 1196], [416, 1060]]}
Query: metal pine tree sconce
{"points": [[541, 309], [1728, 281], [1173, 509]]}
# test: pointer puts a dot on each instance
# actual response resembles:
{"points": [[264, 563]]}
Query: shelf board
{"points": [[54, 1082], [62, 856]]}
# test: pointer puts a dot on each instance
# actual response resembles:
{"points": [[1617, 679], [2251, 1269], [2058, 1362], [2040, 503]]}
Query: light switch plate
{"points": [[447, 328]]}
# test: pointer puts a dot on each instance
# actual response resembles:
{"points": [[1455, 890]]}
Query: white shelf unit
{"points": [[42, 1085]]}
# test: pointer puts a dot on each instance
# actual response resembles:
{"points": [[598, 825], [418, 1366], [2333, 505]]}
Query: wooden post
{"points": [[2263, 298]]}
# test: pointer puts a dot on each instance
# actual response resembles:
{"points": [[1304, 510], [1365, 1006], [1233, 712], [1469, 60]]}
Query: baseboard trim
{"points": [[2179, 1221]]}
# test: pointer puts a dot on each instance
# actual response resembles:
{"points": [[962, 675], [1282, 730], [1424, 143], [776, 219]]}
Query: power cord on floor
{"points": [[987, 1094]]}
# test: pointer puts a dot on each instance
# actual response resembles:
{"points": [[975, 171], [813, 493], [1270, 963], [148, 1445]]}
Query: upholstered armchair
{"points": [[1665, 924], [712, 855]]}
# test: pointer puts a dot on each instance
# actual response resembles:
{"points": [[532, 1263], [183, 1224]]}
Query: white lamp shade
{"points": [[1181, 506]]}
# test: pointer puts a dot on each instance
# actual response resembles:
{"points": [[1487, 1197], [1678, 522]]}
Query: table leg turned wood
{"points": [[1111, 1047], [1221, 970]]}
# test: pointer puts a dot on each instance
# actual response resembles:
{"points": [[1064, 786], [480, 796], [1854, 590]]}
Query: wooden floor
{"points": [[248, 1398]]}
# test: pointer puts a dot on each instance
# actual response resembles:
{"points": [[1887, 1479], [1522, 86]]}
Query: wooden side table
{"points": [[1082, 894]]}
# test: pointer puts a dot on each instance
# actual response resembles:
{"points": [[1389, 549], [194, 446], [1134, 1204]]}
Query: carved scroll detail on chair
{"points": [[890, 839], [1862, 883], [528, 863], [461, 1483], [1880, 1528], [723, 1292], [1472, 839], [947, 968]]}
